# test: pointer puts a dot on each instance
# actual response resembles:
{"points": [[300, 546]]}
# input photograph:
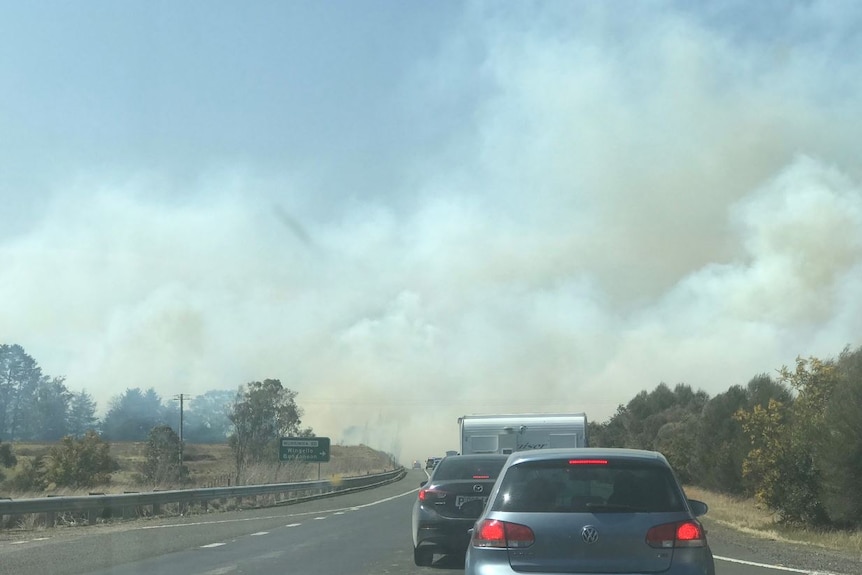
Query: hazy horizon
{"points": [[411, 212]]}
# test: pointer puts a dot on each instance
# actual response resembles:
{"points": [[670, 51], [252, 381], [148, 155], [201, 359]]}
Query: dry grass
{"points": [[747, 516], [209, 465]]}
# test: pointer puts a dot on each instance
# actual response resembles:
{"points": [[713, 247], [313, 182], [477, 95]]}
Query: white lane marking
{"points": [[379, 501], [23, 541], [221, 570], [293, 524], [319, 518], [273, 555], [259, 533], [267, 517], [211, 545], [775, 567], [339, 513], [199, 523]]}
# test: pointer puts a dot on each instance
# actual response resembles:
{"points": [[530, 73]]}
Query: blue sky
{"points": [[413, 211], [186, 88]]}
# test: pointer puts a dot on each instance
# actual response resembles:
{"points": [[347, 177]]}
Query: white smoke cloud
{"points": [[630, 201]]}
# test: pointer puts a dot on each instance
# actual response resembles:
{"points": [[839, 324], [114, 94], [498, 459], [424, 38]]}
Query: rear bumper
{"points": [[496, 562], [448, 535]]}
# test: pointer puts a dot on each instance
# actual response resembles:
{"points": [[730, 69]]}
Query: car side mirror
{"points": [[422, 483], [698, 507]]}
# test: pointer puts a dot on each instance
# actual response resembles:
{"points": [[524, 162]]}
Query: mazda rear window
{"points": [[457, 468]]}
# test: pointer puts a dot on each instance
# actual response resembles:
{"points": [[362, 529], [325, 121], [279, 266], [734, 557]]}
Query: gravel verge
{"points": [[772, 551]]}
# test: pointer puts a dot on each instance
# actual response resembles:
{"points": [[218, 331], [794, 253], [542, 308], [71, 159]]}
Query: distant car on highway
{"points": [[432, 462], [449, 502], [416, 464], [589, 511]]}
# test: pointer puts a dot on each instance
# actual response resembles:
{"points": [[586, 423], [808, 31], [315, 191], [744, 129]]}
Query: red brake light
{"points": [[429, 494], [685, 534], [588, 461], [501, 534], [688, 532], [489, 533], [481, 477]]}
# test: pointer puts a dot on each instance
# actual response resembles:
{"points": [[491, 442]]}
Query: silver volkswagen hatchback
{"points": [[589, 511]]}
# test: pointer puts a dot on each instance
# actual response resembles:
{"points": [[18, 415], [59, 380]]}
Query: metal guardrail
{"points": [[154, 500]]}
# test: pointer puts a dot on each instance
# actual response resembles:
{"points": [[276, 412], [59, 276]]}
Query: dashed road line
{"points": [[259, 533], [221, 570], [211, 545], [23, 541], [293, 524]]}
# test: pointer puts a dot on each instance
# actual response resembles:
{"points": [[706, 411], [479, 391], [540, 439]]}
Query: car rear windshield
{"points": [[611, 487], [469, 468]]}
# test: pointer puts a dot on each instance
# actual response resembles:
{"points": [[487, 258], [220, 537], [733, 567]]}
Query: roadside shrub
{"points": [[162, 457], [30, 477], [83, 462], [7, 458]]}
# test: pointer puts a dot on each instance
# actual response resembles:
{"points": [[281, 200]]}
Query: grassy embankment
{"points": [[209, 465], [747, 516]]}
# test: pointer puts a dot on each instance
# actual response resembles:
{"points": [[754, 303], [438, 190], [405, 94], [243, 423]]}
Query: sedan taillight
{"points": [[428, 495]]}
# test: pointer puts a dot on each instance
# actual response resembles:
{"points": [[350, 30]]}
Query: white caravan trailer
{"points": [[518, 432]]}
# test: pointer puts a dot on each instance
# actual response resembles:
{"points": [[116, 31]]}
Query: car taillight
{"points": [[431, 494], [481, 477], [502, 534], [683, 534], [588, 461]]}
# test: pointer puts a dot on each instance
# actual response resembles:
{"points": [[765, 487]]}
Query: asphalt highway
{"points": [[365, 533]]}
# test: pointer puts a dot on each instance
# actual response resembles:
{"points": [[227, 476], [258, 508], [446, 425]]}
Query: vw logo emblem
{"points": [[478, 489], [589, 534]]}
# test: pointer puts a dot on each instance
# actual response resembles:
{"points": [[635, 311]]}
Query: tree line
{"points": [[37, 407], [793, 441]]}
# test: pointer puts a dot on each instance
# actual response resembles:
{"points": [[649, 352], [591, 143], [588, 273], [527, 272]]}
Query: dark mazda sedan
{"points": [[449, 503], [589, 511]]}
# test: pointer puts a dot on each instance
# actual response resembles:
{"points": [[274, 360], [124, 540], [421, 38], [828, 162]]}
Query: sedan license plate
{"points": [[462, 499]]}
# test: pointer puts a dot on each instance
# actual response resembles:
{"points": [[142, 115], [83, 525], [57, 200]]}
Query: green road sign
{"points": [[312, 449]]}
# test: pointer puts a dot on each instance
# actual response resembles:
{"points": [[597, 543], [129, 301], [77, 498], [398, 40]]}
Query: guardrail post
{"points": [[135, 510], [157, 509], [50, 519]]}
